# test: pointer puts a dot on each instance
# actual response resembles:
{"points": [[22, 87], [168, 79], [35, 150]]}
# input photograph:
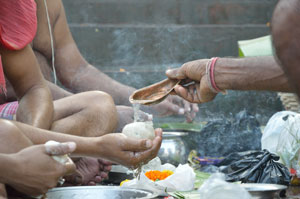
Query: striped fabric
{"points": [[8, 110]]}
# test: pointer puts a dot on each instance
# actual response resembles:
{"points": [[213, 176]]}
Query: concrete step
{"points": [[138, 47], [169, 11]]}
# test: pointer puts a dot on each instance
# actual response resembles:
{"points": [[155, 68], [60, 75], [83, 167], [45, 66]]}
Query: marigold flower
{"points": [[156, 175]]}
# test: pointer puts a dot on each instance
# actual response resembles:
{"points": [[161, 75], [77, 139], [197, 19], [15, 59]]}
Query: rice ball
{"points": [[139, 130]]}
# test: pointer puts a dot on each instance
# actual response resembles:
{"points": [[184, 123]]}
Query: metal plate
{"points": [[263, 191], [98, 192]]}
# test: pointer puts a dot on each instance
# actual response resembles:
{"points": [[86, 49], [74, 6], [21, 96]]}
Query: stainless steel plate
{"points": [[98, 192], [263, 191]]}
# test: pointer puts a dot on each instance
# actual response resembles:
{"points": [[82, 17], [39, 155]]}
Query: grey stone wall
{"points": [[145, 37]]}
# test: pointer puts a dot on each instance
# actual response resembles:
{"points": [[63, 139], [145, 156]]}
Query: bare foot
{"points": [[89, 171]]}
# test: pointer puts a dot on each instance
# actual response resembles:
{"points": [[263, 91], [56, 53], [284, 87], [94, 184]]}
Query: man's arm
{"points": [[256, 73], [115, 147], [35, 101], [76, 73]]}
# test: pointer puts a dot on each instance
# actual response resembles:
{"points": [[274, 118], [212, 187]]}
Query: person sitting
{"points": [[18, 26], [77, 75], [18, 138]]}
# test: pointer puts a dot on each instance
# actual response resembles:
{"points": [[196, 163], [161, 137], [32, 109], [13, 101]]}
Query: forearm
{"points": [[6, 167], [91, 78], [256, 73], [36, 108], [85, 146]]}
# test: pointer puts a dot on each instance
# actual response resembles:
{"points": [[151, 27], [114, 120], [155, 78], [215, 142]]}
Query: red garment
{"points": [[18, 25]]}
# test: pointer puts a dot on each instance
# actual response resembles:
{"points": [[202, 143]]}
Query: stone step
{"points": [[139, 47], [169, 11]]}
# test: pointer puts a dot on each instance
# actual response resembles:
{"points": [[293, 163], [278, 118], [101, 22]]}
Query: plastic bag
{"points": [[182, 179], [256, 167], [282, 136], [215, 187], [279, 123]]}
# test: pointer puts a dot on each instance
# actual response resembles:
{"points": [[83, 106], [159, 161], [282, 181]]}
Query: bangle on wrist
{"points": [[210, 69]]}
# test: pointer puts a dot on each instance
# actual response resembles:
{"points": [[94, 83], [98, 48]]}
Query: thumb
{"points": [[56, 148], [137, 145], [177, 73]]}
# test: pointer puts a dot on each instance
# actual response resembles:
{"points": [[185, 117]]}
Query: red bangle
{"points": [[212, 74]]}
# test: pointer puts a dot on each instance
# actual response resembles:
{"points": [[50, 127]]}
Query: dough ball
{"points": [[139, 130]]}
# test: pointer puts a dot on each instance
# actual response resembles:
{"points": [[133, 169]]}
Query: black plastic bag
{"points": [[255, 167]]}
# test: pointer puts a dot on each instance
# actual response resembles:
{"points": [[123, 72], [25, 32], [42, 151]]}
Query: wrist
{"points": [[9, 168], [91, 147], [224, 73]]}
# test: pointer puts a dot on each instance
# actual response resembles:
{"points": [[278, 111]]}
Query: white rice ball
{"points": [[139, 130]]}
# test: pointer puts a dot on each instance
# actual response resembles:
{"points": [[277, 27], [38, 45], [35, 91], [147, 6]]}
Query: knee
{"points": [[103, 104], [12, 139], [101, 100]]}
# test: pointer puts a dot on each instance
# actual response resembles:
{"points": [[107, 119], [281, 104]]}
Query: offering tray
{"points": [[98, 192]]}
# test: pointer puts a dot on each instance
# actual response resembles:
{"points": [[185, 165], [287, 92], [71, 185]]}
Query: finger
{"points": [[177, 73], [99, 178], [56, 148], [107, 168], [158, 132], [104, 175], [145, 156], [105, 162], [174, 109], [195, 108], [92, 183], [136, 145], [193, 70], [74, 179], [185, 94], [152, 153], [187, 106]]}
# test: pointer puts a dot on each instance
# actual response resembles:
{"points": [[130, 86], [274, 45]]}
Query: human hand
{"points": [[129, 152], [35, 171], [126, 116], [194, 71], [175, 105]]}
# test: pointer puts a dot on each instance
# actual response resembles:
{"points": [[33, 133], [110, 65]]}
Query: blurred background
{"points": [[135, 41]]}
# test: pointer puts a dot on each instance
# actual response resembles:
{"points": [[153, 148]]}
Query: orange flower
{"points": [[155, 175]]}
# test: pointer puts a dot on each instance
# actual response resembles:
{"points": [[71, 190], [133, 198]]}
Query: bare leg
{"points": [[88, 114]]}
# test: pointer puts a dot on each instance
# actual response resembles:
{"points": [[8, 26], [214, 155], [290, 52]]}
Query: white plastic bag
{"points": [[215, 187], [182, 179], [282, 137]]}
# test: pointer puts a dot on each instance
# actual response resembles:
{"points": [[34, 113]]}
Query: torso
{"points": [[42, 43]]}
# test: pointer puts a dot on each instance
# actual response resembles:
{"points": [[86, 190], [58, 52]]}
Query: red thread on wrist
{"points": [[212, 75]]}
